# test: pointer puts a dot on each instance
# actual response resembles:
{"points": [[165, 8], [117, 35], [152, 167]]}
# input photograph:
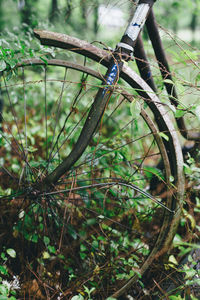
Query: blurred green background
{"points": [[92, 19]]}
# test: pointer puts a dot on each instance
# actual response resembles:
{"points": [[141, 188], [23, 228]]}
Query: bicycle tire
{"points": [[165, 126], [84, 48]]}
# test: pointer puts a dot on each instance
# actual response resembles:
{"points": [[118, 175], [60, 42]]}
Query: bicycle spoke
{"points": [[24, 168], [57, 116], [45, 108]]}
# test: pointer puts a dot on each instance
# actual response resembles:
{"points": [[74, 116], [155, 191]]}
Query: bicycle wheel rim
{"points": [[73, 189]]}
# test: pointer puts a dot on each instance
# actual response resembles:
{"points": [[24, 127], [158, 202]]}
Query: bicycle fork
{"points": [[122, 53]]}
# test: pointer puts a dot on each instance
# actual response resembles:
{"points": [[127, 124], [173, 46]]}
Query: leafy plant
{"points": [[8, 286]]}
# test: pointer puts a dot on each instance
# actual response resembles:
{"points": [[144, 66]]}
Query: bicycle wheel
{"points": [[98, 225]]}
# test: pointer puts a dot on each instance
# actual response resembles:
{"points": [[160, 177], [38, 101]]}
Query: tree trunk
{"points": [[25, 11], [83, 6], [96, 8], [194, 20], [1, 16], [54, 11], [68, 10]]}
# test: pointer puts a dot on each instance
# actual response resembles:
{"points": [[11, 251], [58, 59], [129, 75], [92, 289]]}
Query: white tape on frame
{"points": [[138, 21]]}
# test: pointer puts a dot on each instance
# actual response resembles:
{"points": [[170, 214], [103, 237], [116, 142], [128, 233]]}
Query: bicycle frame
{"points": [[145, 71]]}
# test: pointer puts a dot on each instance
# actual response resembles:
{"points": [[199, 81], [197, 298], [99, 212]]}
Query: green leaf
{"points": [[52, 249], [187, 169], [15, 167], [95, 244], [83, 255], [121, 276], [44, 60], [198, 77], [168, 81], [77, 297], [72, 231], [86, 289], [190, 54], [175, 297], [83, 248], [180, 88], [101, 238], [164, 136], [2, 65], [153, 171], [34, 238], [45, 255], [12, 62], [2, 297], [190, 218], [11, 252], [46, 240], [91, 221], [101, 217], [135, 109], [173, 260], [12, 298], [3, 256], [197, 112], [189, 272], [3, 270], [31, 149], [175, 4], [3, 290], [179, 113], [61, 256]]}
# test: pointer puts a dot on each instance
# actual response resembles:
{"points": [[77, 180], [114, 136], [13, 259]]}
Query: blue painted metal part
{"points": [[149, 74], [135, 24], [112, 75], [111, 78]]}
